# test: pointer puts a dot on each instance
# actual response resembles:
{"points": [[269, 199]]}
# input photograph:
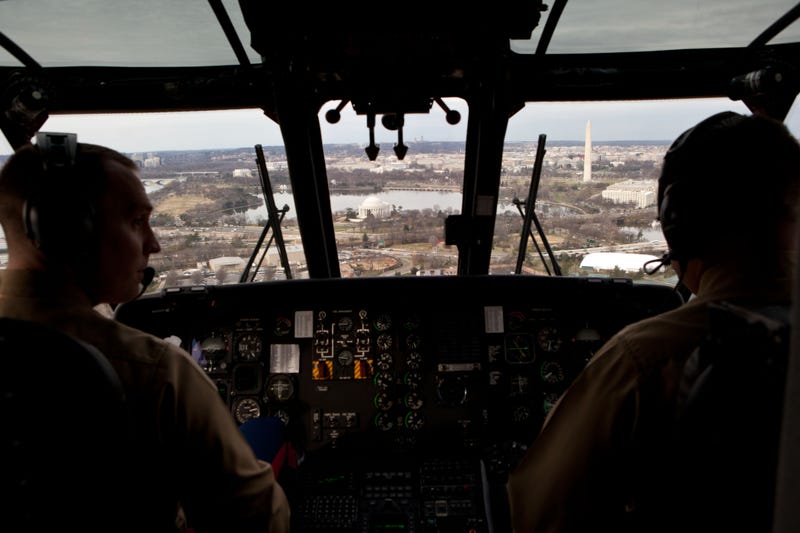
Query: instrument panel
{"points": [[383, 384]]}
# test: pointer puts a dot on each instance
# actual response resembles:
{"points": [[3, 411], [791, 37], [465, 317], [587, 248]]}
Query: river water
{"points": [[340, 203]]}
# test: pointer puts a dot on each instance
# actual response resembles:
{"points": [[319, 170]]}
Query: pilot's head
{"points": [[729, 187], [88, 221]]}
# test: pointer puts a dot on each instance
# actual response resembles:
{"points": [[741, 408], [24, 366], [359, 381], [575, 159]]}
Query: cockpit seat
{"points": [[65, 428], [728, 423]]}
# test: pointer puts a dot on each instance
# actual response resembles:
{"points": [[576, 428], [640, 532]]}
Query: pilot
{"points": [[77, 226], [727, 203]]}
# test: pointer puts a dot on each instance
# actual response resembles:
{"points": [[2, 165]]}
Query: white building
{"points": [[608, 261], [374, 206], [641, 193], [242, 173]]}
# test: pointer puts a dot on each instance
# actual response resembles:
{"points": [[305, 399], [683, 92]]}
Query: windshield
{"points": [[203, 175]]}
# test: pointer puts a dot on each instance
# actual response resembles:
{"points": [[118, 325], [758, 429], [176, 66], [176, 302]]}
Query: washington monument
{"points": [[587, 154]]}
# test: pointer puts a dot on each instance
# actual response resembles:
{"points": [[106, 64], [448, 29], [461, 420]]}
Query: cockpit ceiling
{"points": [[117, 56], [187, 33]]}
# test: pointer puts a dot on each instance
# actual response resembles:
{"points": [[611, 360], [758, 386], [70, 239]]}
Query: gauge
{"points": [[280, 387], [282, 326], [413, 379], [384, 421], [411, 322], [382, 401], [519, 348], [321, 338], [382, 380], [413, 400], [283, 416], [414, 420], [362, 339], [550, 400], [383, 322], [516, 319], [214, 348], [413, 341], [246, 409], [384, 361], [345, 324], [414, 360], [549, 339], [345, 358], [521, 413], [384, 341], [249, 347], [452, 390], [552, 372]]}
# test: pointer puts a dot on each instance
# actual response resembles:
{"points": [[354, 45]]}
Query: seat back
{"points": [[728, 422], [65, 423]]}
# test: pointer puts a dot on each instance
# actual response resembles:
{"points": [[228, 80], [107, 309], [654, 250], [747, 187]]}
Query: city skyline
{"points": [[611, 121]]}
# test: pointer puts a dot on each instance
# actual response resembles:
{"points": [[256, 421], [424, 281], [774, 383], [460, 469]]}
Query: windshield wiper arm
{"points": [[230, 32]]}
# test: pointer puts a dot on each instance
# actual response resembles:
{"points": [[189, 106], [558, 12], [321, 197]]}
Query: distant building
{"points": [[638, 192], [242, 173], [372, 205], [227, 263], [608, 261]]}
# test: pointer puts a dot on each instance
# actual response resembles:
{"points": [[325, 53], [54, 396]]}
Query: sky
{"points": [[147, 33], [610, 121]]}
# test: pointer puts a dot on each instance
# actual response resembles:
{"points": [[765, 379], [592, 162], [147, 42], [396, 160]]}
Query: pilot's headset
{"points": [[693, 200], [59, 216]]}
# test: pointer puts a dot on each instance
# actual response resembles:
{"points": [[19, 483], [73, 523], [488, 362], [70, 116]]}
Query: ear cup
{"points": [[60, 218], [59, 224]]}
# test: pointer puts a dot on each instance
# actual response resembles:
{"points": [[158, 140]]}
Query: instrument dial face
{"points": [[384, 341], [246, 409], [549, 339], [552, 372], [384, 361], [383, 322], [344, 324], [280, 387], [249, 347], [414, 360], [214, 347], [345, 358], [282, 326], [519, 348]]}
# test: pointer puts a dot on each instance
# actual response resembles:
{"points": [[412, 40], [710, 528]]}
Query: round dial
{"points": [[384, 361], [384, 341], [383, 322], [282, 326], [345, 358], [413, 341], [414, 360], [345, 324], [552, 372], [249, 347], [549, 339], [414, 420], [280, 387], [413, 400], [516, 320], [549, 401], [214, 347], [246, 409]]}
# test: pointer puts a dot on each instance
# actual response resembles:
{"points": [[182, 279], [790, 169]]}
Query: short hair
{"points": [[24, 178], [730, 176]]}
